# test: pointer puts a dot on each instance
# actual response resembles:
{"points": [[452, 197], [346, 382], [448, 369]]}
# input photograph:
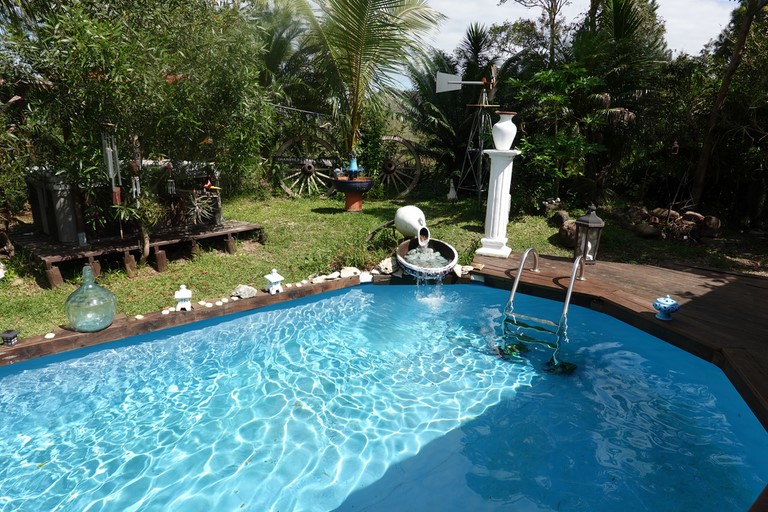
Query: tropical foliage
{"points": [[605, 111], [362, 44]]}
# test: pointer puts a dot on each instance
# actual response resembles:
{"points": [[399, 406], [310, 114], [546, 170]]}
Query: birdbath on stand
{"points": [[353, 186]]}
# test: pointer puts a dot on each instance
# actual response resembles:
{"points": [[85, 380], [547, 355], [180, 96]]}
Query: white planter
{"points": [[504, 131]]}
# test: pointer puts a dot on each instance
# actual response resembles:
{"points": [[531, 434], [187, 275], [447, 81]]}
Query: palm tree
{"points": [[364, 44]]}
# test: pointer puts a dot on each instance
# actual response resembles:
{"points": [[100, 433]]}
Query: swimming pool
{"points": [[377, 398]]}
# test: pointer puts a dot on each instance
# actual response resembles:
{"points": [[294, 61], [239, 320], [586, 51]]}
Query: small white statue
{"points": [[275, 282], [183, 298], [452, 196]]}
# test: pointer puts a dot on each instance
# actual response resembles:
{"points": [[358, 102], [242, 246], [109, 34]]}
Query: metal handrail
{"points": [[520, 272], [578, 264]]}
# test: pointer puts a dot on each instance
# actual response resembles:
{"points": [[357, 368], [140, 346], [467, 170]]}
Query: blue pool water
{"points": [[377, 398]]}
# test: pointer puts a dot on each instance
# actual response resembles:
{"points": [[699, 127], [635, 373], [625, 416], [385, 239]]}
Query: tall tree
{"points": [[551, 10], [743, 19], [626, 49]]}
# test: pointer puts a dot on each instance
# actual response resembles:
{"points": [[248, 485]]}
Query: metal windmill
{"points": [[473, 169]]}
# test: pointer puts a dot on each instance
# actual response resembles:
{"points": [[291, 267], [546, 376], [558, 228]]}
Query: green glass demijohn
{"points": [[91, 307]]}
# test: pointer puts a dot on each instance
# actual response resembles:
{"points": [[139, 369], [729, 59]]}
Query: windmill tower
{"points": [[474, 169]]}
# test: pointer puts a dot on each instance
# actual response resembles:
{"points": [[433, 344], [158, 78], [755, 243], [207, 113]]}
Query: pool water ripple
{"points": [[367, 399]]}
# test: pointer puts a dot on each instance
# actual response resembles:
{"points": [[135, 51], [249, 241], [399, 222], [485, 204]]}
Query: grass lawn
{"points": [[316, 236]]}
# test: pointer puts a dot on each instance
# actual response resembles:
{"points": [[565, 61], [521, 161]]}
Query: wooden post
{"points": [[130, 264], [53, 274], [95, 265], [230, 244], [161, 260]]}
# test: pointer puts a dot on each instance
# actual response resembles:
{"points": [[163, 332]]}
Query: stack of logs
{"points": [[689, 227]]}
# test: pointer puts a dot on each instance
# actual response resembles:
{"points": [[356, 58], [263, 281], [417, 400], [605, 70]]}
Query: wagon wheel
{"points": [[305, 165], [402, 166]]}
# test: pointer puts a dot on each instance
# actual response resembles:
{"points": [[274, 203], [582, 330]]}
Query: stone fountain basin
{"points": [[446, 251]]}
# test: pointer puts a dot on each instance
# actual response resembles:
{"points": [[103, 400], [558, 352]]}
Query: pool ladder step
{"points": [[530, 329], [578, 267]]}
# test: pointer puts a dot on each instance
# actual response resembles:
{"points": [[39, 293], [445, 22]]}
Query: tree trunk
{"points": [[753, 7], [592, 14], [144, 245]]}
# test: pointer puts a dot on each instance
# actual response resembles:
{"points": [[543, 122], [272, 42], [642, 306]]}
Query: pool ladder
{"points": [[578, 267]]}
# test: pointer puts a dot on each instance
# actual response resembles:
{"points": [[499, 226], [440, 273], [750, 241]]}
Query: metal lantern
{"points": [[589, 227], [10, 337]]}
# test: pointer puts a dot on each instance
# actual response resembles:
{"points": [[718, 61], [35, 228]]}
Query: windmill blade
{"points": [[446, 82]]}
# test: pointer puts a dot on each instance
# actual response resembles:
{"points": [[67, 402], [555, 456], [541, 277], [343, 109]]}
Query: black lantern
{"points": [[10, 337], [589, 227]]}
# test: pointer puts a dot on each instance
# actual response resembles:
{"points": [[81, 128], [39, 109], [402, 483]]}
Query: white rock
{"points": [[139, 317], [457, 270], [219, 303], [50, 335], [166, 311], [243, 291], [388, 265], [349, 272], [376, 272], [466, 269], [334, 275], [366, 277], [319, 279]]}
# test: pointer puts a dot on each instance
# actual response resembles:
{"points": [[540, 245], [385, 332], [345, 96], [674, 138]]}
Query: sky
{"points": [[690, 24]]}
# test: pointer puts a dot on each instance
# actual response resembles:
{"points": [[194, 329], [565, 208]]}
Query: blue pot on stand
{"points": [[665, 307]]}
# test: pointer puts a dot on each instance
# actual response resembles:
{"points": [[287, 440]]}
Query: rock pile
{"points": [[691, 227], [672, 225]]}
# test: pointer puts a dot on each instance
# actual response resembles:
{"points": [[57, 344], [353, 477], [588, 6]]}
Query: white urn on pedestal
{"points": [[504, 131], [494, 243]]}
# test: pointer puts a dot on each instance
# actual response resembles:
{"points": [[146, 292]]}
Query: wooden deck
{"points": [[50, 253], [723, 316]]}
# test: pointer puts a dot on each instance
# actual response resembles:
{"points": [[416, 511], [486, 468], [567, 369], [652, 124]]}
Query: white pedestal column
{"points": [[494, 243]]}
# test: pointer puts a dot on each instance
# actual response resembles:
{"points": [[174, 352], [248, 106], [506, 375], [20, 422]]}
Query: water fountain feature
{"points": [[422, 256]]}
